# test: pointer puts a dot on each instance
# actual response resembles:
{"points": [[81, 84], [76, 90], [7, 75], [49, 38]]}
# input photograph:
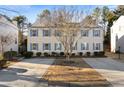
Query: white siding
{"points": [[52, 40], [117, 35], [6, 28]]}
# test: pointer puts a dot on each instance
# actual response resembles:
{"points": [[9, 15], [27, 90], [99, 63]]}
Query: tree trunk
{"points": [[2, 50], [67, 57]]}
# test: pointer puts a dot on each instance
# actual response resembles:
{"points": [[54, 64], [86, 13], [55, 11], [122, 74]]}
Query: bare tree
{"points": [[5, 41], [67, 23]]}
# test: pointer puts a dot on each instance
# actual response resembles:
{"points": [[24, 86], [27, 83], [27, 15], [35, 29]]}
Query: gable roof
{"points": [[6, 21], [88, 21]]}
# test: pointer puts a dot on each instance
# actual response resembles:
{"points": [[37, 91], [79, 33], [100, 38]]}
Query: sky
{"points": [[31, 11]]}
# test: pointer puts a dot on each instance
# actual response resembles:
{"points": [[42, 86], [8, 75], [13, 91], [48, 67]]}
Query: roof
{"points": [[41, 22], [88, 21], [6, 22]]}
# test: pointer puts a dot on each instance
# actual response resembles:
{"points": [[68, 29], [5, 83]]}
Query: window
{"points": [[96, 46], [84, 33], [84, 46], [96, 33], [34, 46], [34, 32], [57, 33], [46, 46], [58, 46], [46, 33]]}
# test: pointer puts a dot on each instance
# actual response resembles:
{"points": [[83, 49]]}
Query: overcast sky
{"points": [[31, 11]]}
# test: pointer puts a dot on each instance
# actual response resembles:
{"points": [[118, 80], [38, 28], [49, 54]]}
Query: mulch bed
{"points": [[75, 74], [8, 63]]}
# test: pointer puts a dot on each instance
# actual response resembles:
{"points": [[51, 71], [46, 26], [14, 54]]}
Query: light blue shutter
{"points": [[99, 46], [93, 46], [87, 46], [81, 33], [49, 46], [30, 46], [37, 46], [60, 46], [43, 33], [93, 33], [49, 33], [81, 46], [37, 32], [30, 32], [99, 32], [55, 46], [43, 46], [87, 33]]}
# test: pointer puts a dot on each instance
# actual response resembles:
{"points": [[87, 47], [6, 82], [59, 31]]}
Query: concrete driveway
{"points": [[27, 73], [112, 70]]}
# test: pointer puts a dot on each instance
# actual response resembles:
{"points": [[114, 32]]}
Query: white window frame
{"points": [[96, 46], [48, 47], [33, 33], [46, 33], [84, 33], [34, 46], [96, 33], [84, 46]]}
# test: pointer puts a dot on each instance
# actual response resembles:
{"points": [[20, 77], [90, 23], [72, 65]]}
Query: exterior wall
{"points": [[8, 28], [52, 39], [117, 35]]}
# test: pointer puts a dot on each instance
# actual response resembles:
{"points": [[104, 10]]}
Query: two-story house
{"points": [[117, 35], [10, 29], [42, 39]]}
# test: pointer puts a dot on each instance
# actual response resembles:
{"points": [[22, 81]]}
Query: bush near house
{"points": [[13, 53], [80, 53], [38, 54], [95, 53], [88, 54], [28, 54], [53, 54], [73, 54], [117, 52], [62, 54], [9, 54], [2, 63], [101, 53], [46, 54]]}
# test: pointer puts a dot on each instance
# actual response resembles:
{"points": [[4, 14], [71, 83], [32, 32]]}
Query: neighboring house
{"points": [[41, 38], [117, 35], [9, 28]]}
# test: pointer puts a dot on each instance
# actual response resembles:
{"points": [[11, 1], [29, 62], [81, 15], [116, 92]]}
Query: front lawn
{"points": [[74, 74]]}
